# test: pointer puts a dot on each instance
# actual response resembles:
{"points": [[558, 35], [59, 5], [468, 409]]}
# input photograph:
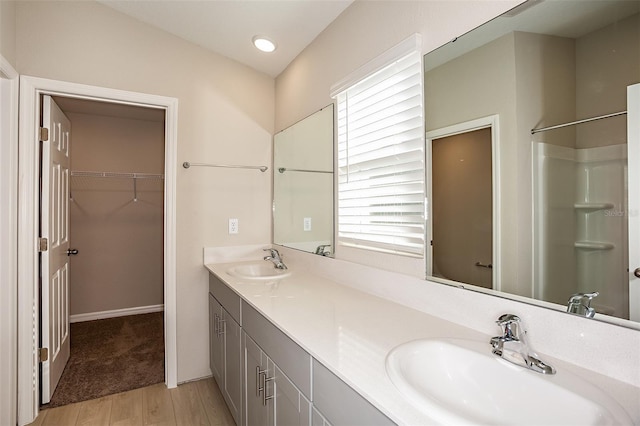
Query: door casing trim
{"points": [[28, 213], [492, 122], [8, 244]]}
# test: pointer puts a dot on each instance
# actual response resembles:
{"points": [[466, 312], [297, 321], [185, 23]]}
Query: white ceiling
{"points": [[227, 26]]}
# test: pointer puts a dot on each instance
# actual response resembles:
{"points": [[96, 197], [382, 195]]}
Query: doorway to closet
{"points": [[30, 359], [114, 285]]}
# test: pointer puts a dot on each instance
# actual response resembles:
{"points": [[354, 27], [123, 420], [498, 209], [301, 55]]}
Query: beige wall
{"points": [[120, 240], [602, 83], [484, 79], [545, 86], [363, 31], [537, 104], [8, 30], [225, 115]]}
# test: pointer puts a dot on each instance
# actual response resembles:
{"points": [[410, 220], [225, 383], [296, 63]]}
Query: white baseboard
{"points": [[116, 313]]}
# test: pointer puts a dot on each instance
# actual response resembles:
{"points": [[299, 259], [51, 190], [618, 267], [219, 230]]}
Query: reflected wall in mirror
{"points": [[303, 184], [562, 196]]}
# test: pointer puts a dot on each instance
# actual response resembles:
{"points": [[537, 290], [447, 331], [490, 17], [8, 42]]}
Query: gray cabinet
{"points": [[291, 407], [294, 361], [259, 408], [225, 345], [271, 398], [216, 339], [232, 387], [267, 379], [339, 404], [318, 419]]}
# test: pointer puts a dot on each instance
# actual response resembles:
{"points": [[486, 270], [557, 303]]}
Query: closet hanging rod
{"points": [[285, 169], [187, 164], [573, 123], [82, 173]]}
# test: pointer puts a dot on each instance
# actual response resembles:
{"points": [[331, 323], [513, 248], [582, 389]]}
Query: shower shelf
{"points": [[593, 245], [592, 207]]}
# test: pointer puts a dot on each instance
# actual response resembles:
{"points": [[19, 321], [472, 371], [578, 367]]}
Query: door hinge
{"points": [[44, 134], [43, 354], [43, 244]]}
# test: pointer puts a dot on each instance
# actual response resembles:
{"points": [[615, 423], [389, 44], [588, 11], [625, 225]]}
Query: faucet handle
{"points": [[506, 319], [320, 249], [580, 303], [273, 252], [509, 323], [579, 297]]}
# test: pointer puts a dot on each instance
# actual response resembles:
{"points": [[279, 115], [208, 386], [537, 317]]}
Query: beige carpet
{"points": [[110, 356]]}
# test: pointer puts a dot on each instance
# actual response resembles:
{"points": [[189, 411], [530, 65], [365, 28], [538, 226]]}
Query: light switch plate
{"points": [[307, 224]]}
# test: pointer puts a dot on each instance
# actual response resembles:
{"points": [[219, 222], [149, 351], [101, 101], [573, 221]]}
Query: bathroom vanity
{"points": [[304, 349], [264, 375]]}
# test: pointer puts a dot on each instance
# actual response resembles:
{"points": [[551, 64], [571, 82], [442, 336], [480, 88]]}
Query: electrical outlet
{"points": [[233, 226], [307, 224]]}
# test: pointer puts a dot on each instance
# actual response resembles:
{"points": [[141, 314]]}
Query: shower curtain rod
{"points": [[573, 123], [284, 169], [187, 164], [80, 173]]}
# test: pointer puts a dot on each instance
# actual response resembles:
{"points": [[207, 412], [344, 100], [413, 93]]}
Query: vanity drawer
{"points": [[225, 296], [339, 403], [294, 361]]}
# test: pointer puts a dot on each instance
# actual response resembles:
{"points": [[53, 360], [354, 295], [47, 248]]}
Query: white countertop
{"points": [[351, 332]]}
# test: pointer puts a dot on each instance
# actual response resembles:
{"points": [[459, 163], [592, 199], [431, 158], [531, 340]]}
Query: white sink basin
{"points": [[462, 382], [258, 271]]}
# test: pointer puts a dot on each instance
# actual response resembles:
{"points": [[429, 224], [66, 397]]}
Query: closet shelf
{"points": [[117, 175], [592, 207], [593, 245]]}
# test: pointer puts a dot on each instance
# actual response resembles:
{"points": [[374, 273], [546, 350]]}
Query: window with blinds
{"points": [[381, 159]]}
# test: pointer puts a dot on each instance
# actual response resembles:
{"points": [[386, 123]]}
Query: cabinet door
{"points": [[318, 419], [256, 362], [291, 407], [216, 340], [340, 404], [232, 365]]}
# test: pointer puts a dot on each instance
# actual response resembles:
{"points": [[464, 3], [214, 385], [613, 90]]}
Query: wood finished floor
{"points": [[190, 404]]}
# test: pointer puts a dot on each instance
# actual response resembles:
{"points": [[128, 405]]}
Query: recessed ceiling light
{"points": [[264, 44]]}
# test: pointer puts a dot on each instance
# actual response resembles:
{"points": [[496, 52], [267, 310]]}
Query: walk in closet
{"points": [[116, 218]]}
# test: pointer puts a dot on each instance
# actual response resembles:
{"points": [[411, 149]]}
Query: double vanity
{"points": [[289, 346]]}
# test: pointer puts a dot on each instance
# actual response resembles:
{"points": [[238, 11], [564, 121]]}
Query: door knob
{"points": [[72, 252], [637, 272]]}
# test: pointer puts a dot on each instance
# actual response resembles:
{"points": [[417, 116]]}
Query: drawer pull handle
{"points": [[219, 325], [258, 377], [261, 384], [265, 379]]}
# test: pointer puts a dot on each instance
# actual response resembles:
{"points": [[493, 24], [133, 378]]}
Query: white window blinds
{"points": [[381, 160]]}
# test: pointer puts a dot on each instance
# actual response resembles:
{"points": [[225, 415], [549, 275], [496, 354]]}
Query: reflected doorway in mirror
{"points": [[463, 203]]}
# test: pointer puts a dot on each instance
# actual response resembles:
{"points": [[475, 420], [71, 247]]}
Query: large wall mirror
{"points": [[561, 190], [303, 184]]}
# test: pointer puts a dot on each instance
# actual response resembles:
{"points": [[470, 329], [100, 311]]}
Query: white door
{"points": [[633, 175], [55, 260]]}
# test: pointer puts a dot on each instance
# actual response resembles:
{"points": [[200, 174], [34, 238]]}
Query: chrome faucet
{"points": [[321, 250], [513, 346], [275, 258], [580, 304]]}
